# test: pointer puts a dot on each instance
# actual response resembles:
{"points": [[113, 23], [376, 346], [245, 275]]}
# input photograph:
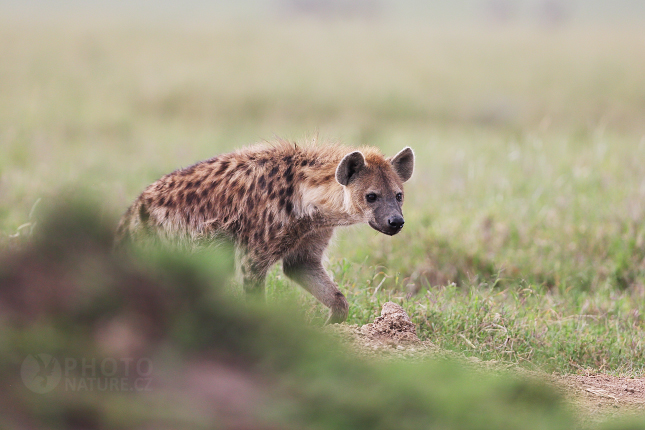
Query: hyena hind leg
{"points": [[252, 274]]}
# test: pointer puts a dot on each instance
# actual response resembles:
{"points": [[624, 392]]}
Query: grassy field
{"points": [[525, 219]]}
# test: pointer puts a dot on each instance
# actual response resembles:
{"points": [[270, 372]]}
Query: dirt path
{"points": [[599, 396], [593, 396]]}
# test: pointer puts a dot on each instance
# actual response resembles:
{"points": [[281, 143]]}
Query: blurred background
{"points": [[123, 92]]}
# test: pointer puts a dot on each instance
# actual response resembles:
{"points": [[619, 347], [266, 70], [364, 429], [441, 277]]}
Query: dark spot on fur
{"points": [[191, 197], [274, 171], [282, 202], [232, 227], [289, 191], [229, 200], [249, 204], [203, 194], [288, 175], [262, 183], [288, 207], [187, 217], [222, 168], [270, 218], [144, 215], [287, 159], [262, 161], [162, 201], [270, 189], [303, 163], [254, 266]]}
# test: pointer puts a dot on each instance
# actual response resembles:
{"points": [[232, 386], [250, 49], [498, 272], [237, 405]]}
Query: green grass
{"points": [[525, 219]]}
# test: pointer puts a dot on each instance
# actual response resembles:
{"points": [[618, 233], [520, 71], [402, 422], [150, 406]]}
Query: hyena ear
{"points": [[350, 165], [403, 163]]}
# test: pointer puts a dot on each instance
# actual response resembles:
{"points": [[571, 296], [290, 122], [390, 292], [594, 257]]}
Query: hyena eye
{"points": [[399, 197], [371, 197]]}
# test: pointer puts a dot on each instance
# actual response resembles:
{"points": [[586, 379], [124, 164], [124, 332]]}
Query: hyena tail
{"points": [[132, 223]]}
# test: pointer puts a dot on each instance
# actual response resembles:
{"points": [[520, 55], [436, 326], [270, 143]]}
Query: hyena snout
{"points": [[389, 223], [396, 222], [394, 225]]}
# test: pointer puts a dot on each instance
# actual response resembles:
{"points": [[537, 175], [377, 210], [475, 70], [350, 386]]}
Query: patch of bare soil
{"points": [[601, 396], [392, 336]]}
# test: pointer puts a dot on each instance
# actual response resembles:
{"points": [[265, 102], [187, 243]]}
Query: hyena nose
{"points": [[396, 222]]}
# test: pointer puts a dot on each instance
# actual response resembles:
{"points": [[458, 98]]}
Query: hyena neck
{"points": [[330, 203]]}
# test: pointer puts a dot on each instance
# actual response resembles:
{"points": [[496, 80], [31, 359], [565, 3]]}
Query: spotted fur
{"points": [[275, 201]]}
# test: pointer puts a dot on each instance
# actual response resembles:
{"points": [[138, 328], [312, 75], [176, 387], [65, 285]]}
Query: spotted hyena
{"points": [[276, 201]]}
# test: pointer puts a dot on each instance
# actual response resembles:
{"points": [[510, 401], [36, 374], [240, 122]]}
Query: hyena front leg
{"points": [[304, 265]]}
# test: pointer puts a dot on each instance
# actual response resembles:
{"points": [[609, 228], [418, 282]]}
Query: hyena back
{"points": [[276, 201]]}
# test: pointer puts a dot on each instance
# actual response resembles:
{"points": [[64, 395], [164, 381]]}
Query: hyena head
{"points": [[375, 186]]}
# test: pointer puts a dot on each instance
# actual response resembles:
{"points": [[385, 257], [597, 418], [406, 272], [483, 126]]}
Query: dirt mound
{"points": [[393, 326], [392, 335]]}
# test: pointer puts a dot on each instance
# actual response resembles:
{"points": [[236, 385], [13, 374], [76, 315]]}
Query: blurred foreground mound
{"points": [[91, 339]]}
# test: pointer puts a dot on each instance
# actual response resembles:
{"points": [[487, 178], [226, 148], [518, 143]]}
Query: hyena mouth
{"points": [[390, 230]]}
